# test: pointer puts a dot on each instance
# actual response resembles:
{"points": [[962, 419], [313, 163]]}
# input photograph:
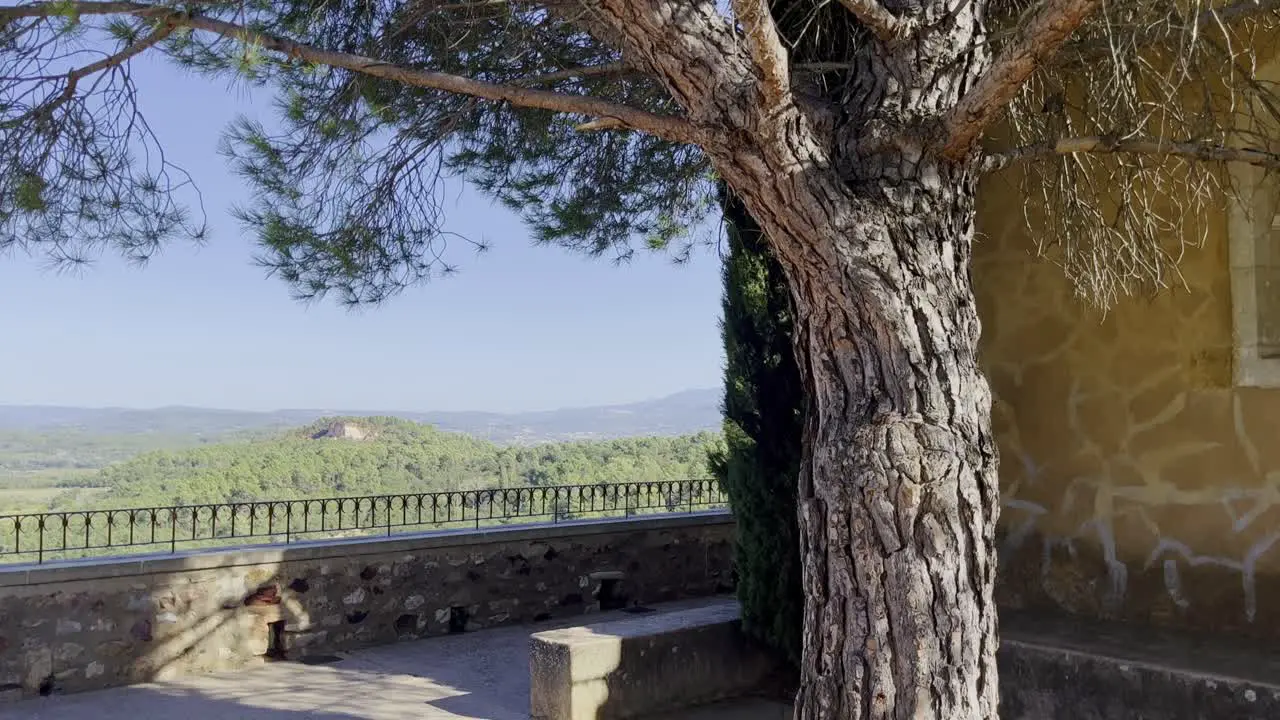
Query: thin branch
{"points": [[1036, 42], [668, 127], [888, 27], [130, 51], [74, 77], [1100, 144], [165, 30], [1261, 94], [765, 45], [1157, 32], [1238, 11]]}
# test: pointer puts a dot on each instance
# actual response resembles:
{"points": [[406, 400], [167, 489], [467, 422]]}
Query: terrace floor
{"points": [[481, 675]]}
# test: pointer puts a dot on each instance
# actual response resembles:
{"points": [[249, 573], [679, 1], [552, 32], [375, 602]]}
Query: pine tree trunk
{"points": [[898, 492], [898, 495]]}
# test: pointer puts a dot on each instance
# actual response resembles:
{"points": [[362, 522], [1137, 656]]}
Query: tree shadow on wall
{"points": [[469, 675], [178, 620]]}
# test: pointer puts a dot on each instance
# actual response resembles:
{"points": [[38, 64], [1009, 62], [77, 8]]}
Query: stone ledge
{"points": [[644, 665], [152, 564], [1059, 669]]}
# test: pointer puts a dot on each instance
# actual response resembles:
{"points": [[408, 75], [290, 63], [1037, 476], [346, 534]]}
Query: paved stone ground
{"points": [[482, 675]]}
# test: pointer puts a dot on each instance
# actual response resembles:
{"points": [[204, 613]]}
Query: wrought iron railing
{"points": [[39, 537]]}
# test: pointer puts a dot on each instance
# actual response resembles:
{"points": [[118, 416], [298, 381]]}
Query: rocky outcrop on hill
{"points": [[343, 430]]}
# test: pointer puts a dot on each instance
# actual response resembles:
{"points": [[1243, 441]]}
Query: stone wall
{"points": [[92, 624], [1140, 467]]}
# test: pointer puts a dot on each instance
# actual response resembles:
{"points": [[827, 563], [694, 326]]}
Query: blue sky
{"points": [[519, 328]]}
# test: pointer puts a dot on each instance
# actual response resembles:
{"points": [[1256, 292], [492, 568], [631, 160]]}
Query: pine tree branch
{"points": [[888, 27], [767, 52], [1034, 44], [691, 48], [667, 127], [587, 71], [1101, 144], [601, 124]]}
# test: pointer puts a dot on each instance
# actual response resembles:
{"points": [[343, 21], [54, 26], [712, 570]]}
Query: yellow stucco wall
{"points": [[1138, 482]]}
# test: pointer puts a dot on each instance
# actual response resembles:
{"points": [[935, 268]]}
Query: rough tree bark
{"points": [[899, 494]]}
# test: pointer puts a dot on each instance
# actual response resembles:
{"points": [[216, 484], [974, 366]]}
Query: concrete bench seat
{"points": [[644, 665]]}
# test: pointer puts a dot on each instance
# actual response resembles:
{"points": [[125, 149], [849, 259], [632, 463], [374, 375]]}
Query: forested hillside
{"points": [[356, 456]]}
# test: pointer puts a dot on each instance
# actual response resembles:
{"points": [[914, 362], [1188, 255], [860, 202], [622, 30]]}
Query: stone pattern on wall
{"points": [[1137, 482], [78, 628]]}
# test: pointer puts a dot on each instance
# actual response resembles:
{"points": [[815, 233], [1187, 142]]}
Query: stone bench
{"points": [[644, 664]]}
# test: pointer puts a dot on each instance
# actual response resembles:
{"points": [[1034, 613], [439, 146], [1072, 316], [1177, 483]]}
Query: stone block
{"points": [[643, 665]]}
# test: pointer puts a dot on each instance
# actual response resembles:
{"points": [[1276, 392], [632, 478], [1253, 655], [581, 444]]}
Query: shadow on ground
{"points": [[473, 675]]}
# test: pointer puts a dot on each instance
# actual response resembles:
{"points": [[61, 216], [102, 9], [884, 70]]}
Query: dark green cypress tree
{"points": [[764, 399], [763, 404]]}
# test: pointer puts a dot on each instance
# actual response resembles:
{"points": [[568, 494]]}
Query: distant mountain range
{"points": [[686, 412]]}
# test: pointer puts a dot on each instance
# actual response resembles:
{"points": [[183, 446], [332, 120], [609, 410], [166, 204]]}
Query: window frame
{"points": [[1254, 218]]}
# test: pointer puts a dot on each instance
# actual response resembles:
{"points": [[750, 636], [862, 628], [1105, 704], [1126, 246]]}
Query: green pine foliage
{"points": [[760, 461], [350, 186], [395, 456]]}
